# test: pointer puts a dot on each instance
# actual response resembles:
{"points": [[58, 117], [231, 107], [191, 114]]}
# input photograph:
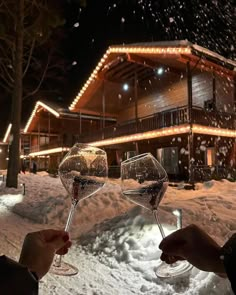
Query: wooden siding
{"points": [[202, 88], [224, 94], [170, 93], [161, 94]]}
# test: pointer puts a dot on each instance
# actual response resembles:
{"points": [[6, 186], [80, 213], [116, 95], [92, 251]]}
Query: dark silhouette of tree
{"points": [[27, 57]]}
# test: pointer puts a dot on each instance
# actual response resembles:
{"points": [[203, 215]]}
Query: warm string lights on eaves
{"points": [[50, 151], [139, 50], [43, 105], [142, 136], [213, 131], [7, 133], [166, 132], [170, 131]]}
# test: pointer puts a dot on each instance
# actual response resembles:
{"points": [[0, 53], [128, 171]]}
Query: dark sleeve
{"points": [[229, 259], [15, 279]]}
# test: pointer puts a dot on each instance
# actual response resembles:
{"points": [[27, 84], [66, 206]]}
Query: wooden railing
{"points": [[168, 118], [173, 117], [213, 118], [159, 120]]}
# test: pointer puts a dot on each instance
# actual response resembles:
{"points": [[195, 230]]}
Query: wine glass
{"points": [[144, 182], [83, 172]]}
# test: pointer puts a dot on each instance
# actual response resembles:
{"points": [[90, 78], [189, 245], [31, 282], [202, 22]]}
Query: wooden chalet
{"points": [[176, 100], [51, 130]]}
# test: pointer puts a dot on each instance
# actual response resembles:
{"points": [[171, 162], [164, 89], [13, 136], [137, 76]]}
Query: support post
{"points": [[214, 91], [80, 123], [234, 120], [49, 127], [190, 121], [39, 134], [136, 108], [103, 105]]}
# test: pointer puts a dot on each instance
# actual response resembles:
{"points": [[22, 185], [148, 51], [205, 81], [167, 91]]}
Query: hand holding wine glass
{"points": [[83, 172], [144, 182]]}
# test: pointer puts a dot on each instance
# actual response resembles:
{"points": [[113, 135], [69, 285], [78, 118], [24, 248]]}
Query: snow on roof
{"points": [[215, 55], [176, 43]]}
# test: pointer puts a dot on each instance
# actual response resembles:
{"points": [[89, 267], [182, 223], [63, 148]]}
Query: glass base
{"points": [[65, 269], [167, 271]]}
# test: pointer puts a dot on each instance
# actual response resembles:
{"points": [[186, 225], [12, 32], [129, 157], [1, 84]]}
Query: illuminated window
{"points": [[210, 156]]}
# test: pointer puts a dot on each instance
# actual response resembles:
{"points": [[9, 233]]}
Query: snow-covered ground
{"points": [[115, 243]]}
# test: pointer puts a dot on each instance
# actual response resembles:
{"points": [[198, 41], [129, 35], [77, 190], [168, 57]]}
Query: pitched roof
{"points": [[55, 109], [162, 49]]}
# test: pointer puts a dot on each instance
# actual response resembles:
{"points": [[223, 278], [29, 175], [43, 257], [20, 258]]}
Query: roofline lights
{"points": [[145, 135], [39, 103], [123, 49], [7, 132], [213, 131], [167, 132], [50, 151]]}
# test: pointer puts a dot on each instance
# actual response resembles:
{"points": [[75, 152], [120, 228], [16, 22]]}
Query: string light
{"points": [[167, 132], [145, 135], [213, 131], [7, 133], [115, 49], [50, 151], [43, 105]]}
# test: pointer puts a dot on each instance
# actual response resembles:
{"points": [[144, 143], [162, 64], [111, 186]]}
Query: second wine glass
{"points": [[83, 172], [144, 182]]}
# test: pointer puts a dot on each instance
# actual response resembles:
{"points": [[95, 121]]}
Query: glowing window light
{"points": [[7, 133], [49, 109], [50, 151]]}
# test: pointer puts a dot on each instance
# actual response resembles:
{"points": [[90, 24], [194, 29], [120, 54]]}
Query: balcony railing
{"points": [[168, 118], [172, 117]]}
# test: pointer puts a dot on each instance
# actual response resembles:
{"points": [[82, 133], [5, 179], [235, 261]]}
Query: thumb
{"points": [[174, 248], [59, 241]]}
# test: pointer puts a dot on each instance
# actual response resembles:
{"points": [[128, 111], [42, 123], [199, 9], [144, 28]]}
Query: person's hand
{"points": [[39, 248], [195, 246]]}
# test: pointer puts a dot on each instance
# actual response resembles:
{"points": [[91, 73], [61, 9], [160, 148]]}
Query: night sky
{"points": [[92, 25], [97, 25]]}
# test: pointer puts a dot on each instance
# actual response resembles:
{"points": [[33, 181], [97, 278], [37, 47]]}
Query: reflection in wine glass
{"points": [[83, 172], [144, 182]]}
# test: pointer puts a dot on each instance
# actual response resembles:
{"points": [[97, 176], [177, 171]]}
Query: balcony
{"points": [[168, 118], [172, 117]]}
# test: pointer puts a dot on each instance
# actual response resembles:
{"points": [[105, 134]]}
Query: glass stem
{"points": [[158, 223], [58, 258]]}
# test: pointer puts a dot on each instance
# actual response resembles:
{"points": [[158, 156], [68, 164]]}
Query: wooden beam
{"points": [[149, 63], [208, 66], [89, 112], [145, 62]]}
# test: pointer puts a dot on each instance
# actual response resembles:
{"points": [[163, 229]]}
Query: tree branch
{"points": [[7, 82], [5, 86], [40, 82], [29, 59], [4, 69]]}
